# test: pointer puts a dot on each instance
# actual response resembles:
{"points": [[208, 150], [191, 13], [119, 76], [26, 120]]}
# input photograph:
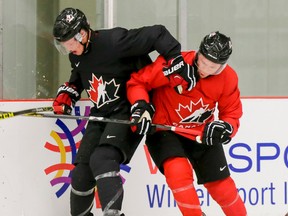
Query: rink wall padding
{"points": [[36, 157]]}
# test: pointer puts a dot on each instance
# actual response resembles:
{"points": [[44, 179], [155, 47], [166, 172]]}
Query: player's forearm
{"points": [[137, 92]]}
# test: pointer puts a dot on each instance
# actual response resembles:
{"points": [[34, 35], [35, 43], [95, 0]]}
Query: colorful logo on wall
{"points": [[67, 142]]}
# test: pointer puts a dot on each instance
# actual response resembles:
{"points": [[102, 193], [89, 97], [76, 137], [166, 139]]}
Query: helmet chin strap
{"points": [[220, 69], [86, 45]]}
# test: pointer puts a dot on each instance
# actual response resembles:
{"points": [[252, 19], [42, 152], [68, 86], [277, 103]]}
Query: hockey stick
{"points": [[194, 132], [9, 114]]}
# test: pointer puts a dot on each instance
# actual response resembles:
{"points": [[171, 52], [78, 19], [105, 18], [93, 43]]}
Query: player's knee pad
{"points": [[82, 180], [178, 172], [105, 159]]}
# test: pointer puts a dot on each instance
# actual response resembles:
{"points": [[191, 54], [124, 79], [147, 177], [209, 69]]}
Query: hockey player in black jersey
{"points": [[102, 62]]}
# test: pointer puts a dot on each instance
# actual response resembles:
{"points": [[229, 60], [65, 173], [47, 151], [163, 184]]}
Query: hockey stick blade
{"points": [[9, 114], [194, 132]]}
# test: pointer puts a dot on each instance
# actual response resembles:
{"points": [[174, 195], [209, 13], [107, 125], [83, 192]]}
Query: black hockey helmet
{"points": [[216, 47], [68, 23]]}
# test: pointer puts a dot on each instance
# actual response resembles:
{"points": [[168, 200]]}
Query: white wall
{"points": [[258, 159]]}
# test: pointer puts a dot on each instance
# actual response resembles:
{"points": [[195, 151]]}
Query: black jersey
{"points": [[112, 56]]}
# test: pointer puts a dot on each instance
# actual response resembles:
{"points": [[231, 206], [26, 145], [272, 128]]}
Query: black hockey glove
{"points": [[67, 96], [141, 115], [217, 132], [181, 75]]}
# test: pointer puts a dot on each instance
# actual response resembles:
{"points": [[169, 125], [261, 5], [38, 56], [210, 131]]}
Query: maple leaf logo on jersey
{"points": [[194, 112], [102, 92]]}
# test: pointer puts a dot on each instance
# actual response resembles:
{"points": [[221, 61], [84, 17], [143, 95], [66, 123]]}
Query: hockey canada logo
{"points": [[194, 112], [69, 18], [102, 92]]}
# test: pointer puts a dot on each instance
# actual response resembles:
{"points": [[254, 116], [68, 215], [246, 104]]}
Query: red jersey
{"points": [[216, 94]]}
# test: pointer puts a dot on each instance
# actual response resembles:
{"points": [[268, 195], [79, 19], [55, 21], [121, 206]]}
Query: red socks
{"points": [[179, 177], [225, 193]]}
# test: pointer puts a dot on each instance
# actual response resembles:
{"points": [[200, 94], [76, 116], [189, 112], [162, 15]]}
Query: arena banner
{"points": [[37, 155]]}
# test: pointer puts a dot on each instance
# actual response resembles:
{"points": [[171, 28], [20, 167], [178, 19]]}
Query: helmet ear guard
{"points": [[78, 37], [216, 47]]}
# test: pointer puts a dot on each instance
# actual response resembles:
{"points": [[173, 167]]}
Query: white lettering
{"points": [[68, 89], [174, 68]]}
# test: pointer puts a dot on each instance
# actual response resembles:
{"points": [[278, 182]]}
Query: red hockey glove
{"points": [[67, 96], [181, 75], [141, 114], [217, 132]]}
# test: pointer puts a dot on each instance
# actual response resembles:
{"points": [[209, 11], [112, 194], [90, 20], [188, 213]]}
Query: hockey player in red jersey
{"points": [[102, 61], [187, 94]]}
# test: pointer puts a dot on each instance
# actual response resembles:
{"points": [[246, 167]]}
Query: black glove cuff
{"points": [[217, 132], [142, 104], [175, 65], [70, 90]]}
